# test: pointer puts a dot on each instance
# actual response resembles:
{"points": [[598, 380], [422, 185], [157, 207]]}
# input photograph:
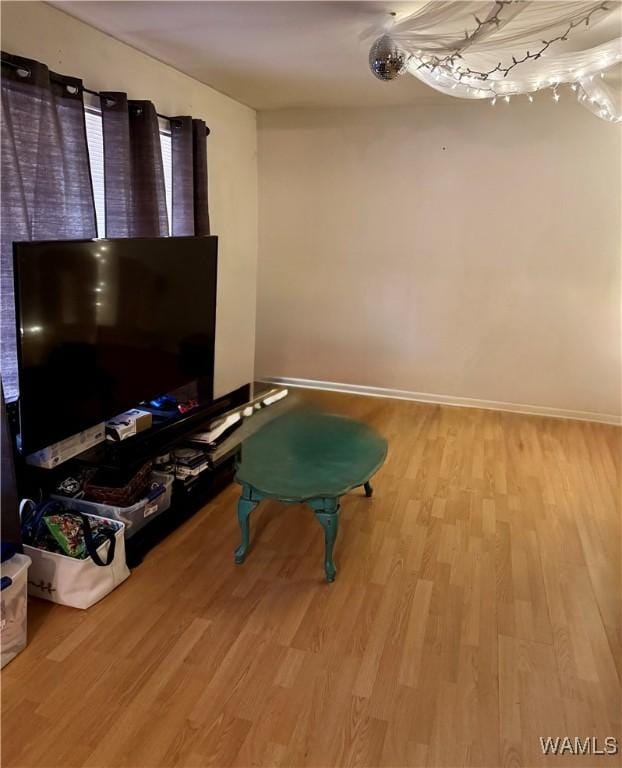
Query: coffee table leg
{"points": [[245, 506], [368, 489], [327, 513]]}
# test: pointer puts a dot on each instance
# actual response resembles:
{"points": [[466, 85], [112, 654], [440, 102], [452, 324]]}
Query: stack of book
{"points": [[189, 462], [207, 448]]}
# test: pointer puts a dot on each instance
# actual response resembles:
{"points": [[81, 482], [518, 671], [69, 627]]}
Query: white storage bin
{"points": [[135, 516], [13, 607]]}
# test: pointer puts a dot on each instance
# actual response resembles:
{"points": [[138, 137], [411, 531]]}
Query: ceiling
{"points": [[269, 55]]}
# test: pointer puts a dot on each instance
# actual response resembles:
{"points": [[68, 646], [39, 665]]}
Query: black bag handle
{"points": [[32, 517], [90, 545]]}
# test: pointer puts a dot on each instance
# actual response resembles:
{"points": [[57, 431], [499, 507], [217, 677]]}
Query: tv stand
{"points": [[125, 455], [163, 435]]}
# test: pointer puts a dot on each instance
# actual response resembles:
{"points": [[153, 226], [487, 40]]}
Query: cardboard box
{"points": [[66, 449], [128, 424]]}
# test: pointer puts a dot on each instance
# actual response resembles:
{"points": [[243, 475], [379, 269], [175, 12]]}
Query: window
{"points": [[167, 162], [95, 141]]}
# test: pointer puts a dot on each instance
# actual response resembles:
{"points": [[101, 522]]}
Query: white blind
{"points": [[167, 162], [95, 140]]}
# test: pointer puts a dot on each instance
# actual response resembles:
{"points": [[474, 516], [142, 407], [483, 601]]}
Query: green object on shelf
{"points": [[311, 457], [67, 532]]}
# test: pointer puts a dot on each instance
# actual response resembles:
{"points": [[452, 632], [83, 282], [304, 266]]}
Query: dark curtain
{"points": [[133, 173], [190, 215], [9, 514], [46, 189]]}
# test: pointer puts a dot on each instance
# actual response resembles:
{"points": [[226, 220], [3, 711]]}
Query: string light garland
{"points": [[435, 62], [603, 110]]}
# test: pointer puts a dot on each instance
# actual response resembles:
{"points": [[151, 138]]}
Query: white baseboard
{"points": [[462, 402]]}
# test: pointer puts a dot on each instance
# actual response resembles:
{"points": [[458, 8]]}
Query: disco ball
{"points": [[386, 60]]}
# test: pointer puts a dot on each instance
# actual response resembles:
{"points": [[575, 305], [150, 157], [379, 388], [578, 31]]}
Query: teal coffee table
{"points": [[307, 457]]}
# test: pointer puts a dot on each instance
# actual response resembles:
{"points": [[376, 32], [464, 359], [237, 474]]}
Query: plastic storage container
{"points": [[14, 607], [135, 516]]}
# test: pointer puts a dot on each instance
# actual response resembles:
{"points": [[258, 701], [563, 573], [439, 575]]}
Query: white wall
{"points": [[457, 250], [68, 46]]}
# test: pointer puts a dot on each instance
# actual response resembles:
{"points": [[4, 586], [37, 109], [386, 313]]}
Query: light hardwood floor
{"points": [[476, 608]]}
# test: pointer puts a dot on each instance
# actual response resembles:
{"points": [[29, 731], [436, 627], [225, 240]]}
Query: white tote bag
{"points": [[78, 583]]}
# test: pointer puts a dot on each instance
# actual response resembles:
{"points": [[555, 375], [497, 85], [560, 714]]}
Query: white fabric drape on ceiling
{"points": [[463, 49]]}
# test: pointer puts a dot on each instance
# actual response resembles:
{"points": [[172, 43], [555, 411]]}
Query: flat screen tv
{"points": [[105, 324]]}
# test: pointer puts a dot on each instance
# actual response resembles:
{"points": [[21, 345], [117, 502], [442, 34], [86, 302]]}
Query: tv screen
{"points": [[106, 324]]}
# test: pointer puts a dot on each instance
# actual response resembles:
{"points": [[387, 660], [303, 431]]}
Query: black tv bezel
{"points": [[28, 448]]}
